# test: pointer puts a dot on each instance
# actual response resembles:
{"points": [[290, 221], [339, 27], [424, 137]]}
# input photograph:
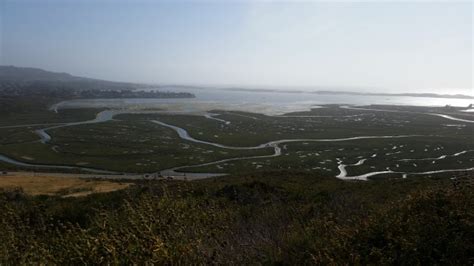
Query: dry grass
{"points": [[67, 186]]}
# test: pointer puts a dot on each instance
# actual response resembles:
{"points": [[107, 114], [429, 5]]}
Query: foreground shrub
{"points": [[241, 223]]}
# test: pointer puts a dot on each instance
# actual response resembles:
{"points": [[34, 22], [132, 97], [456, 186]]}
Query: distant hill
{"points": [[20, 77], [29, 74], [24, 89]]}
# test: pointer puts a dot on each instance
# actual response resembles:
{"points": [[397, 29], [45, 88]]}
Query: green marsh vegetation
{"points": [[128, 146], [132, 143]]}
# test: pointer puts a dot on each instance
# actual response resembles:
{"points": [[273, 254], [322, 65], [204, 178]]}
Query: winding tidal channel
{"points": [[175, 172]]}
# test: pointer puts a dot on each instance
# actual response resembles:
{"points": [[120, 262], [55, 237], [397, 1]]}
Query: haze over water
{"points": [[261, 102]]}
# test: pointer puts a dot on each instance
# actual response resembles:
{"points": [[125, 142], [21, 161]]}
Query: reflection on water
{"points": [[258, 102]]}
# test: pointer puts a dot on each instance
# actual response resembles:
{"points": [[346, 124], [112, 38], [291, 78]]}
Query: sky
{"points": [[408, 46]]}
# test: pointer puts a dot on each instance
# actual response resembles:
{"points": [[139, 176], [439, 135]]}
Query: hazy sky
{"points": [[404, 46]]}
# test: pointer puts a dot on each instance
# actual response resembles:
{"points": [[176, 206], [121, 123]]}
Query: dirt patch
{"points": [[56, 185]]}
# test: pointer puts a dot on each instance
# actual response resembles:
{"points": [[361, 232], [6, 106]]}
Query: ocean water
{"points": [[259, 102]]}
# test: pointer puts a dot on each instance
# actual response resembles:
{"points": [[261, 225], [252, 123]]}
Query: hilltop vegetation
{"points": [[269, 218]]}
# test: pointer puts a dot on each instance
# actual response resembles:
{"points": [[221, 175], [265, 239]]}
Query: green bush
{"points": [[267, 219]]}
